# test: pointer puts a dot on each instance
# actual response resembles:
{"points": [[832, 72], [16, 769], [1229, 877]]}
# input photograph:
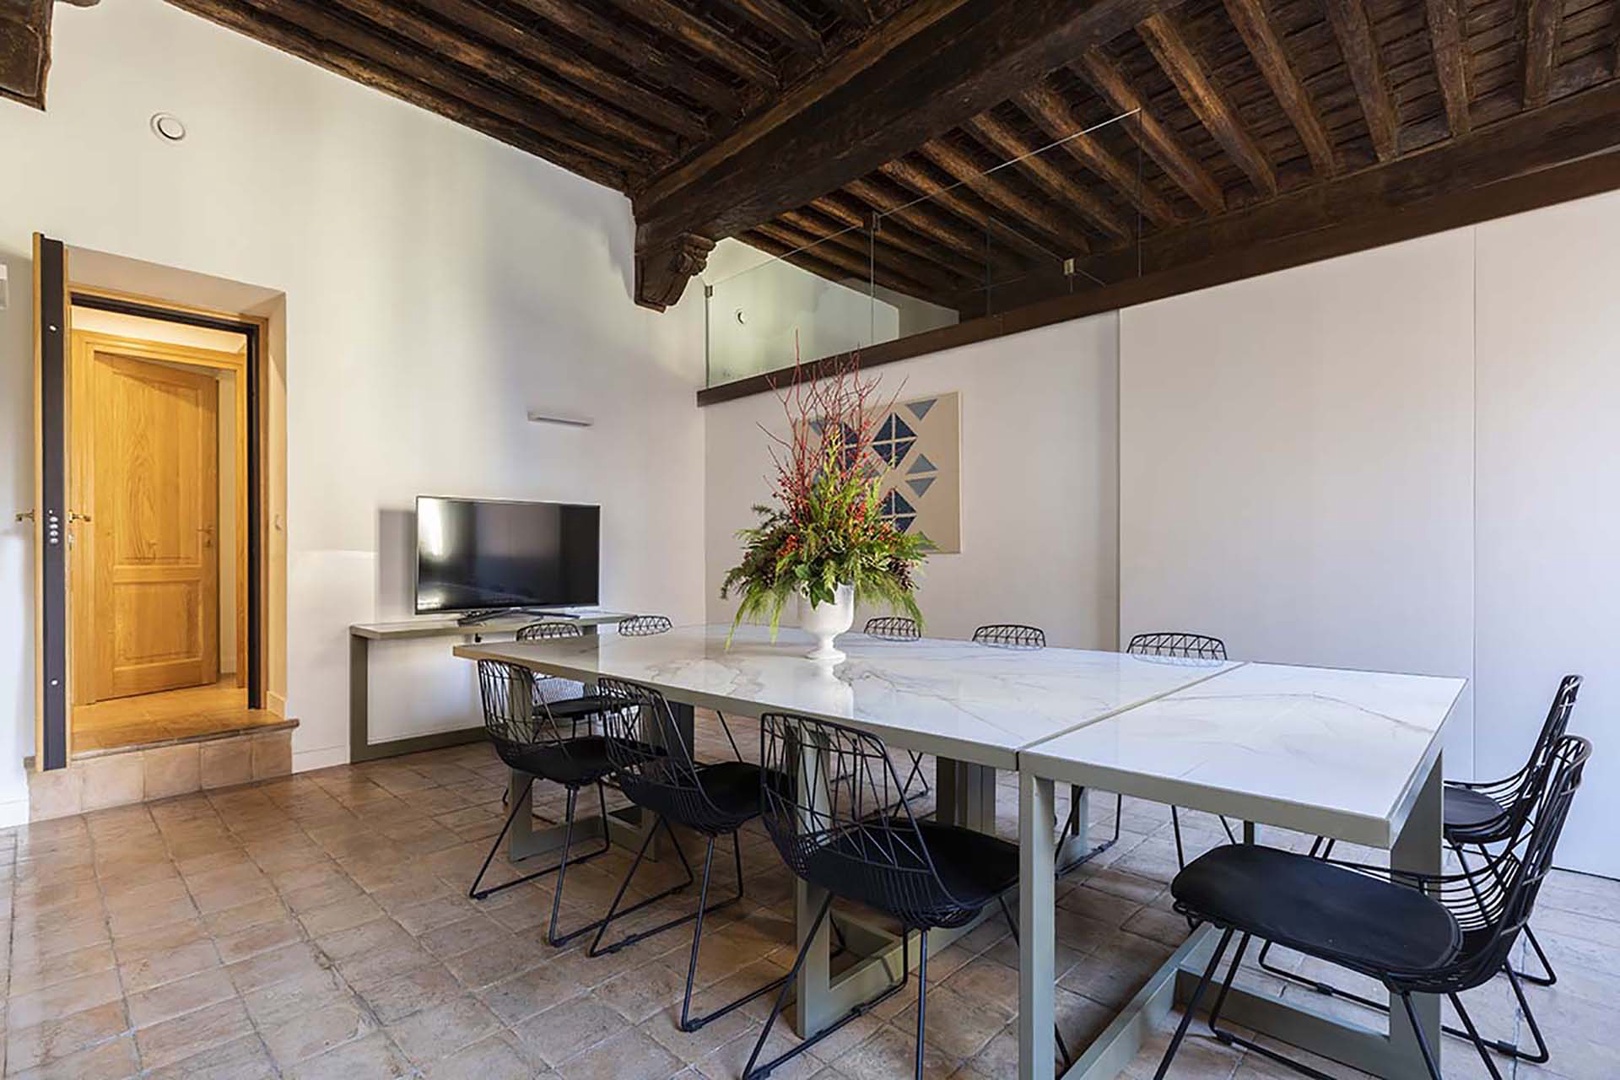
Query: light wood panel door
{"points": [[155, 460]]}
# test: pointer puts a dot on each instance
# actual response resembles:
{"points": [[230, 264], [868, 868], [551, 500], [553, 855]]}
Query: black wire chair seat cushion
{"points": [[711, 799], [946, 884], [571, 762], [1322, 909], [1469, 812], [576, 707]]}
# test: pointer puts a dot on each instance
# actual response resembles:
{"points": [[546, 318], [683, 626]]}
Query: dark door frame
{"points": [[53, 631]]}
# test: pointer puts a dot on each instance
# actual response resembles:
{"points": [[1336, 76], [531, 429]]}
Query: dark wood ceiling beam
{"points": [[238, 15], [1568, 149], [1175, 57], [858, 12], [1449, 46], [891, 232], [702, 37], [922, 217], [989, 229], [936, 276], [850, 259], [25, 50], [990, 187], [542, 50], [920, 72], [1542, 19], [1255, 28], [1155, 139], [318, 20], [641, 52], [781, 21], [1360, 49], [441, 43], [1054, 181], [1051, 112]]}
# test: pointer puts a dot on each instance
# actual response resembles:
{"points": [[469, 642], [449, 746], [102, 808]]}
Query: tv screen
{"points": [[474, 554]]}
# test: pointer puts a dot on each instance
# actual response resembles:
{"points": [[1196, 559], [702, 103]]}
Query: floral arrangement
{"points": [[826, 528]]}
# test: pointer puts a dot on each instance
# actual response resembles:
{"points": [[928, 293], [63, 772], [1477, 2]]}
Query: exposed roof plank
{"points": [[931, 277], [499, 68], [1541, 25], [891, 232], [240, 16], [1048, 177], [858, 12], [1047, 108], [1164, 40], [990, 187], [923, 217], [643, 52], [1449, 46], [950, 197], [781, 21], [1354, 32], [922, 71], [702, 37], [540, 49], [1271, 57], [1155, 139]]}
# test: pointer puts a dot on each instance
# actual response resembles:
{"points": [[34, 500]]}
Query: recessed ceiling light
{"points": [[167, 126]]}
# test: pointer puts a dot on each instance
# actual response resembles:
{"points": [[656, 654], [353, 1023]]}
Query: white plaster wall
{"points": [[1296, 465], [1548, 538], [437, 283], [1038, 482]]}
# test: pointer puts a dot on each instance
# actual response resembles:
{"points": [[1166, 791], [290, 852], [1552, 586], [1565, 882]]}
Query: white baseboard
{"points": [[13, 812], [324, 758]]}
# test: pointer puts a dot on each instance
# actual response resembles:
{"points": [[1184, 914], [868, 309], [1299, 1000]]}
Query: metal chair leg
{"points": [[750, 1071], [917, 773], [598, 949], [613, 909], [1071, 828], [688, 1022], [1473, 1037], [922, 997], [1175, 827], [552, 937], [475, 893], [1230, 1038], [1192, 1006]]}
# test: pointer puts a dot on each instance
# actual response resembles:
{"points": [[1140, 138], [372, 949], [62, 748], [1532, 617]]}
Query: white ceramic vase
{"points": [[826, 621]]}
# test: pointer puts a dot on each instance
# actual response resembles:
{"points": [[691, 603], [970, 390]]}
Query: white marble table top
{"points": [[1325, 751], [975, 703]]}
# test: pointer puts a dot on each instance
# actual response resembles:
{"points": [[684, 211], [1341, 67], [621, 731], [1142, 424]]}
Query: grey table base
{"points": [[1392, 1054]]}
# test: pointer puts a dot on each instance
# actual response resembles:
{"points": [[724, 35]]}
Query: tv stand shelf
{"points": [[361, 635]]}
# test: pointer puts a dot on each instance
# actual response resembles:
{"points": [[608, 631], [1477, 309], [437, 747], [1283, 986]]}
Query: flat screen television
{"points": [[488, 555]]}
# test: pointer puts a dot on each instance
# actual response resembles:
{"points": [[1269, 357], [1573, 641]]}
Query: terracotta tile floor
{"points": [[318, 926], [166, 716]]}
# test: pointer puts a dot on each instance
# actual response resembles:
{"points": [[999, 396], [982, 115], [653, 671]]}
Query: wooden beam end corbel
{"points": [[663, 269], [25, 50]]}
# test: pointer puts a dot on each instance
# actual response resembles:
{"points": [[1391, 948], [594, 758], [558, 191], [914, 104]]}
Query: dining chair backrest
{"points": [[651, 755], [1493, 901], [1011, 636], [1178, 644], [549, 629], [839, 820], [1519, 793], [645, 625], [893, 628]]}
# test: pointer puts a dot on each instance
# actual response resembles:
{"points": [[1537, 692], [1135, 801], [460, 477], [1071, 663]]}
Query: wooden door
{"points": [[154, 449]]}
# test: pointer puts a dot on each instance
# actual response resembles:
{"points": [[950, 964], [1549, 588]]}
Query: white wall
{"points": [[1548, 542], [1038, 482], [1296, 465], [782, 305], [437, 285]]}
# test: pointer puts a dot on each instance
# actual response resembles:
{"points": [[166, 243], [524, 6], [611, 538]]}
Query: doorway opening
{"points": [[161, 526]]}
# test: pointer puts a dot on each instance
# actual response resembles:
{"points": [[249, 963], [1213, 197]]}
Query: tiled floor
{"points": [[318, 926], [147, 719]]}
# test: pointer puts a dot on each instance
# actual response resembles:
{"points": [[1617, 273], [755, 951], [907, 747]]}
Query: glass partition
{"points": [[991, 218]]}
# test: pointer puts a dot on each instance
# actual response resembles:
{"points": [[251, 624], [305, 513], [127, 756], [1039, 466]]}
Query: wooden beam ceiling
{"points": [[25, 50], [966, 149]]}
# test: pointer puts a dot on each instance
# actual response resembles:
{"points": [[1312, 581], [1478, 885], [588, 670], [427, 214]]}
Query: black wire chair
{"points": [[1437, 934], [1010, 636], [837, 816], [645, 625], [1482, 815], [900, 628], [551, 688], [657, 771], [546, 741]]}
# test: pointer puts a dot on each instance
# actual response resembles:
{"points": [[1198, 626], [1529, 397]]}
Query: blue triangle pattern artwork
{"points": [[894, 439], [899, 511]]}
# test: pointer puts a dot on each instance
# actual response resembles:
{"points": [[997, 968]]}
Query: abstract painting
{"points": [[921, 443]]}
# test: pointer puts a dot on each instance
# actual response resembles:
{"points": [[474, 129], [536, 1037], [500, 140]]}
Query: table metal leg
{"points": [[1418, 849], [965, 794], [1037, 939]]}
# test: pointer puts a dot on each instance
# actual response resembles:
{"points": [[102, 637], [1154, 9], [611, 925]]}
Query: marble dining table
{"points": [[1236, 738]]}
